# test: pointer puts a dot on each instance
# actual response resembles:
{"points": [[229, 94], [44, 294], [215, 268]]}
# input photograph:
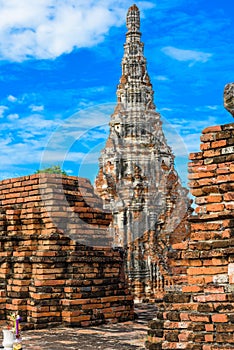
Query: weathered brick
{"points": [[212, 153], [212, 129], [216, 207], [210, 245], [200, 318], [217, 144], [46, 276], [219, 318], [195, 156]]}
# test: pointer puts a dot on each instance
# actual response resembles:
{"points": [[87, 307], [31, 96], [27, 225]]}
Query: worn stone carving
{"points": [[229, 98], [137, 179]]}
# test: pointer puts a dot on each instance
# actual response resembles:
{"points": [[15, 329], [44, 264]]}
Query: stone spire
{"points": [[134, 89], [133, 19], [137, 180]]}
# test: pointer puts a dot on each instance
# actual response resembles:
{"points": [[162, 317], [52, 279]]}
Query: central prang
{"points": [[137, 180]]}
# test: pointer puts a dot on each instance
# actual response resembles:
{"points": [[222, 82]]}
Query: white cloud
{"points": [[2, 110], [208, 108], [5, 141], [11, 98], [213, 108], [35, 124], [35, 108], [186, 55], [184, 135], [161, 78], [83, 128], [166, 109], [22, 141], [13, 116], [41, 140], [59, 156], [45, 29], [18, 154], [144, 5]]}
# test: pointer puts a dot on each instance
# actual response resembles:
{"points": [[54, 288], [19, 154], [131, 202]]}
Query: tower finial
{"points": [[133, 18], [135, 89]]}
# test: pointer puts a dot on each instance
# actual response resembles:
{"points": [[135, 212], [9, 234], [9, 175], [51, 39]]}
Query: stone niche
{"points": [[56, 264]]}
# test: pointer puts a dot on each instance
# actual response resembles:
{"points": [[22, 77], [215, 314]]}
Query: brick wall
{"points": [[198, 313], [56, 264]]}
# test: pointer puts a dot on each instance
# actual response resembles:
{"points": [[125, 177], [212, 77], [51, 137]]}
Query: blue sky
{"points": [[60, 65]]}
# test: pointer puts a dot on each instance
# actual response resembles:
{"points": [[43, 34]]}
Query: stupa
{"points": [[137, 179]]}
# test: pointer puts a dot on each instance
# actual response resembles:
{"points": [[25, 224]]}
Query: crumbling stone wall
{"points": [[199, 311], [55, 263]]}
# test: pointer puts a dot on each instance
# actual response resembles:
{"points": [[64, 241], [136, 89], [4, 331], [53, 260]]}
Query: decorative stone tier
{"points": [[45, 275], [199, 312]]}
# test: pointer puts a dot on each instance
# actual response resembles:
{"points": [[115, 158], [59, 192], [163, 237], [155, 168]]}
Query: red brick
{"points": [[194, 156], [222, 318], [184, 316], [220, 143], [224, 178], [195, 163], [182, 245], [229, 196], [216, 297], [214, 270], [209, 327], [213, 289], [225, 328], [199, 318], [225, 338], [212, 153], [214, 207], [212, 129], [229, 206], [196, 192], [200, 175], [214, 198], [191, 289], [206, 347], [209, 337], [207, 137], [205, 146], [184, 336]]}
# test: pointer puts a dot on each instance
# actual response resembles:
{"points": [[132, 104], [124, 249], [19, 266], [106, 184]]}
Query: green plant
{"points": [[54, 169]]}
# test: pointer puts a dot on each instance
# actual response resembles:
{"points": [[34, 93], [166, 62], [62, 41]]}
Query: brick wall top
{"points": [[211, 173], [38, 178], [48, 203]]}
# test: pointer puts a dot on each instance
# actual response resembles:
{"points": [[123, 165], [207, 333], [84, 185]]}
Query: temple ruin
{"points": [[57, 266], [198, 313], [137, 179]]}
